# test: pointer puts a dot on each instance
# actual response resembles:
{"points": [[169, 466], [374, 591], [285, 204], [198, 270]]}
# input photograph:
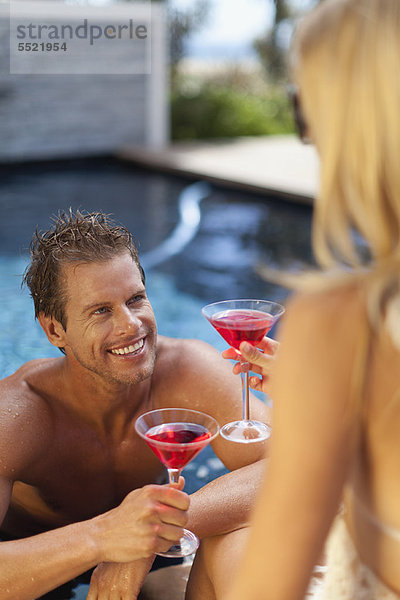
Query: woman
{"points": [[334, 469]]}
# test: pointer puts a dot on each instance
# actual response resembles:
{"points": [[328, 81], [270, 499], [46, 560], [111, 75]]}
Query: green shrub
{"points": [[210, 110]]}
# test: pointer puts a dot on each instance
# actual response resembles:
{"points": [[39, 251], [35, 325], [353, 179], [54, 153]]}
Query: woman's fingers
{"points": [[231, 353], [254, 356], [256, 384], [268, 346], [259, 360]]}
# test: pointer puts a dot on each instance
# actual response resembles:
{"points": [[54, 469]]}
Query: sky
{"points": [[231, 28], [233, 19], [233, 25]]}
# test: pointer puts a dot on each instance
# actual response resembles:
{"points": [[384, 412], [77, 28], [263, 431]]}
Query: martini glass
{"points": [[176, 436], [240, 321]]}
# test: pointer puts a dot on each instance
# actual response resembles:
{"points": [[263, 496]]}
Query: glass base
{"points": [[188, 544], [246, 432]]}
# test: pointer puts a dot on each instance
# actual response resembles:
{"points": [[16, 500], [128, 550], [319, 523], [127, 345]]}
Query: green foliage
{"points": [[218, 111]]}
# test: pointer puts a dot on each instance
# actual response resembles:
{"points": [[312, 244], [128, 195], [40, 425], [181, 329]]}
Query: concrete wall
{"points": [[49, 116]]}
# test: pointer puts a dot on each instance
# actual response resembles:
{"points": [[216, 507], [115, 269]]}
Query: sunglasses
{"points": [[300, 122]]}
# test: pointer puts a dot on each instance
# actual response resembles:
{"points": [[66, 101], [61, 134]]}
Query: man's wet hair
{"points": [[75, 237]]}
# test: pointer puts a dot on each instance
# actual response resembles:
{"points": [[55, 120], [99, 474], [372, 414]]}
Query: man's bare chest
{"points": [[82, 476]]}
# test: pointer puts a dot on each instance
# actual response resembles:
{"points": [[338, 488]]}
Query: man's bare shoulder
{"points": [[25, 414], [183, 354], [192, 369], [30, 378]]}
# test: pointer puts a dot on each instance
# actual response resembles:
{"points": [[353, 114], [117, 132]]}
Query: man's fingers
{"points": [[172, 516], [172, 497], [171, 533], [178, 486], [92, 594]]}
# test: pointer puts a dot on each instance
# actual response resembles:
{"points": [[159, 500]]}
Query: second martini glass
{"points": [[176, 436], [240, 321]]}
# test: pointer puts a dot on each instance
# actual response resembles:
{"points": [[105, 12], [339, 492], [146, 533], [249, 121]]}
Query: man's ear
{"points": [[53, 329]]}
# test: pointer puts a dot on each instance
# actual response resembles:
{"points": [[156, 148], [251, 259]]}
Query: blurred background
{"points": [[195, 155], [212, 108], [229, 66]]}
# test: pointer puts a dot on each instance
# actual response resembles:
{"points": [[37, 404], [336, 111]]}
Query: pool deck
{"points": [[273, 165]]}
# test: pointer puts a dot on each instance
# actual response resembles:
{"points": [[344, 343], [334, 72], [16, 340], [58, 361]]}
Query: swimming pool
{"points": [[231, 233], [236, 231], [227, 235]]}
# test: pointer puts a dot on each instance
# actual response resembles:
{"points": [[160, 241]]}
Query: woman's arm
{"points": [[310, 448]]}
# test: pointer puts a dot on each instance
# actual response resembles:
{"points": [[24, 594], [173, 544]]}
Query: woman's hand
{"points": [[261, 361]]}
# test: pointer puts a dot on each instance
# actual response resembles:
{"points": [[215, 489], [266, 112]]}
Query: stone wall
{"points": [[49, 116]]}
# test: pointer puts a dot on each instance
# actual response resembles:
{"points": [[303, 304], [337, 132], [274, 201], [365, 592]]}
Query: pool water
{"points": [[236, 232]]}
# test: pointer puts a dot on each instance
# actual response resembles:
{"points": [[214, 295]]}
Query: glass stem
{"points": [[245, 390], [174, 475]]}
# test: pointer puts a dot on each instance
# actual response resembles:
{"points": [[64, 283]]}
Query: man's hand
{"points": [[121, 581], [149, 520], [260, 362]]}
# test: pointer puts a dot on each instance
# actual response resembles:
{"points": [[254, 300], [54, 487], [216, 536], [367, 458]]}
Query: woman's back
{"points": [[372, 497]]}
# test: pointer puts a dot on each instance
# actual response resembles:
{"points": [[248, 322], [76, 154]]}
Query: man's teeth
{"points": [[128, 349]]}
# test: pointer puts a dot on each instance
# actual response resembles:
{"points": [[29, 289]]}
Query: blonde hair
{"points": [[346, 63]]}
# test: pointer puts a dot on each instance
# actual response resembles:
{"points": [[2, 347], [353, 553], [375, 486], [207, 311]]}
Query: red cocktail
{"points": [[181, 442], [240, 321], [237, 326], [176, 436]]}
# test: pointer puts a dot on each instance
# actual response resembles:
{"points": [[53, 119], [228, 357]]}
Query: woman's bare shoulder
{"points": [[320, 335], [337, 309]]}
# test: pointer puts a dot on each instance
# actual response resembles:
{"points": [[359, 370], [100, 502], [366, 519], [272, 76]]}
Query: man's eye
{"points": [[137, 298], [101, 310]]}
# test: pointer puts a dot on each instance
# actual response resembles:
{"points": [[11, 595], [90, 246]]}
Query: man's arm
{"points": [[192, 374], [226, 503], [147, 521], [203, 380]]}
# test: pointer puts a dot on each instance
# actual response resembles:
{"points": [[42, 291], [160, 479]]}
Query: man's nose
{"points": [[126, 321]]}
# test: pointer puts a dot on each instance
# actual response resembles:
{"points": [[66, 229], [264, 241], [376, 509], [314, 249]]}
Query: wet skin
{"points": [[85, 455], [76, 470], [68, 448]]}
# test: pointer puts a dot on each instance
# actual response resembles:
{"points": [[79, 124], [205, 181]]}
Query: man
{"points": [[76, 482]]}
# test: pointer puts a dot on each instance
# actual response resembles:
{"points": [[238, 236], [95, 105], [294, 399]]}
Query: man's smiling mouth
{"points": [[131, 349]]}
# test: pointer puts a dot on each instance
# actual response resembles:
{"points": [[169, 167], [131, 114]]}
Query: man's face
{"points": [[110, 325]]}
